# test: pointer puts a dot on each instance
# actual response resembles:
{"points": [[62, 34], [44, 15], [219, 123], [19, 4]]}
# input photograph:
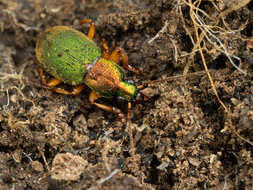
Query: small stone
{"points": [[250, 43], [163, 166], [67, 166], [17, 155], [149, 92], [235, 101], [37, 166], [80, 123], [194, 161]]}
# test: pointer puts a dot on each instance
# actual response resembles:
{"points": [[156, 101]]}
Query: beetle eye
{"points": [[120, 98], [131, 82]]}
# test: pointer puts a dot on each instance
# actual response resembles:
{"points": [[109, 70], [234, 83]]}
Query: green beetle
{"points": [[73, 58]]}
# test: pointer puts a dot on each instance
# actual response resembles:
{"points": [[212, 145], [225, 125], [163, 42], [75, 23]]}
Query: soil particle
{"points": [[68, 167], [37, 166]]}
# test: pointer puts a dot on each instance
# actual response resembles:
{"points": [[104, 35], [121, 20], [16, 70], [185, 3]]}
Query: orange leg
{"points": [[54, 82], [129, 105], [51, 83], [75, 90], [94, 96], [106, 54], [120, 53], [92, 27]]}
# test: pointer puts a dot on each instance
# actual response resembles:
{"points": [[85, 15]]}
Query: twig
{"points": [[8, 99], [105, 179], [44, 158], [31, 160], [239, 5], [164, 28], [175, 47], [229, 114], [209, 31]]}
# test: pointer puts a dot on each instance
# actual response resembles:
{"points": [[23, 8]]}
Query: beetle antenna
{"points": [[199, 73]]}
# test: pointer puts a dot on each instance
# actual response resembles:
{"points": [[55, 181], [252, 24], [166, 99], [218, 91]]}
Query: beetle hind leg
{"points": [[75, 90], [94, 96], [54, 82], [51, 83]]}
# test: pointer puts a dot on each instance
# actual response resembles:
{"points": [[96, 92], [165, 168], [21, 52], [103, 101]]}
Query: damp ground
{"points": [[180, 137]]}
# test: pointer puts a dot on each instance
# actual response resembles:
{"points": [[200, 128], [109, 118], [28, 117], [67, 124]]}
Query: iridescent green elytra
{"points": [[64, 53], [73, 58]]}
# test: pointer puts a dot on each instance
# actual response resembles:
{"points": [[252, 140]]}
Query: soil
{"points": [[180, 137]]}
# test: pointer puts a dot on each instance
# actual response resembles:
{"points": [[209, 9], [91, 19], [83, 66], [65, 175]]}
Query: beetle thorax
{"points": [[106, 79]]}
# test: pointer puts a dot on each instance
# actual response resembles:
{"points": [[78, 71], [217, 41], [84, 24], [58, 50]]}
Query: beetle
{"points": [[73, 58]]}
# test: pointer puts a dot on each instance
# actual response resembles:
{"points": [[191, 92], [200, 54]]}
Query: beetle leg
{"points": [[120, 53], [129, 105], [106, 54], [51, 83], [54, 82], [94, 96], [75, 90], [42, 76], [92, 27]]}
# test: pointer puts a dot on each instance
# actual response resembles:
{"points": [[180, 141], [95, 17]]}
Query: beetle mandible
{"points": [[73, 58]]}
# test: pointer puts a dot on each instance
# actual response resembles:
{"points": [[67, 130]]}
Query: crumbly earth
{"points": [[179, 138]]}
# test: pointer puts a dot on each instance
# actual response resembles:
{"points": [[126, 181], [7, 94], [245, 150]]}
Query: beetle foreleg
{"points": [[120, 53], [92, 27], [106, 54], [94, 96]]}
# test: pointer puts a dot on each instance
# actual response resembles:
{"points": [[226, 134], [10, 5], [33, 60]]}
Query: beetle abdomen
{"points": [[65, 53]]}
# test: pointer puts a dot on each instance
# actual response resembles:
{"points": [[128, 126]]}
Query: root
{"points": [[200, 26]]}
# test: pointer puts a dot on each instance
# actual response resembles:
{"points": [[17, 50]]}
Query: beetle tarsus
{"points": [[119, 114]]}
